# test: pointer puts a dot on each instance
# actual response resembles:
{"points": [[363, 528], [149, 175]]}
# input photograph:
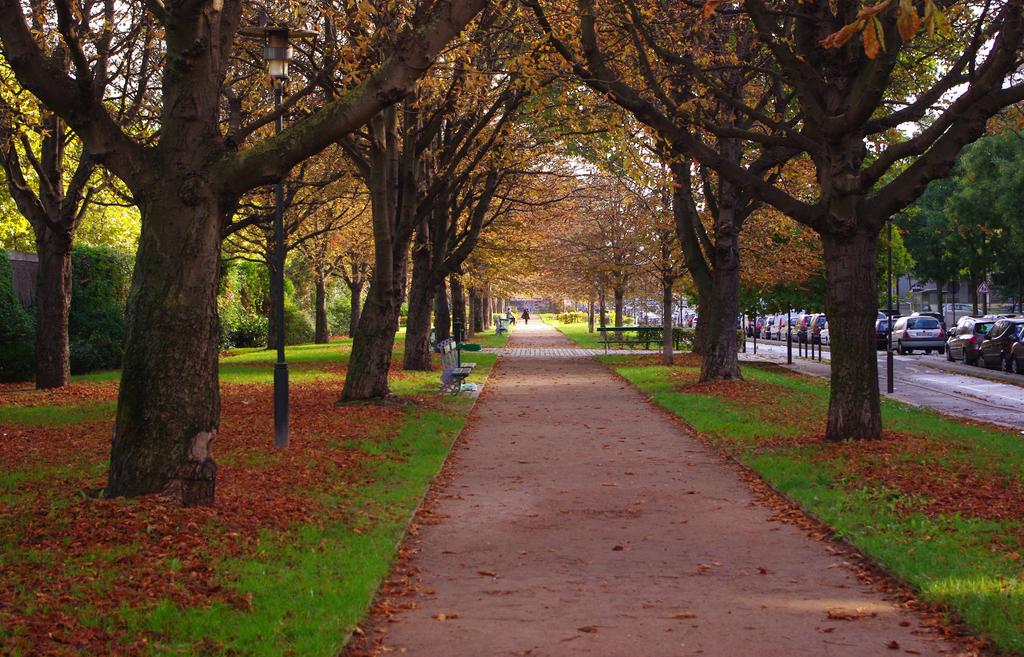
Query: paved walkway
{"points": [[566, 351], [578, 520]]}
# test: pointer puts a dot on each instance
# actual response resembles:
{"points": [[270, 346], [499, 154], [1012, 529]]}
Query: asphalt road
{"points": [[928, 381]]}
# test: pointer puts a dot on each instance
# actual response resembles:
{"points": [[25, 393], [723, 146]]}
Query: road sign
{"points": [[983, 288]]}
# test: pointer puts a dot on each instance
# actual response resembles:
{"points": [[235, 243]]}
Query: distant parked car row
{"points": [[995, 341], [804, 327]]}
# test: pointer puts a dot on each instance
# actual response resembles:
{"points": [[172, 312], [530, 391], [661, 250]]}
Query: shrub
{"points": [[241, 328], [683, 337], [572, 317], [100, 282], [17, 330], [339, 312], [298, 326]]}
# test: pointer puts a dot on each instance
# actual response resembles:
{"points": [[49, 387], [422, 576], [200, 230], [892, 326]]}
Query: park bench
{"points": [[645, 335], [500, 324], [453, 370]]}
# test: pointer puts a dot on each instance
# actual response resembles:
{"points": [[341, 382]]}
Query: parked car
{"points": [[1017, 356], [800, 327], [786, 325], [817, 323], [999, 341], [882, 333], [965, 339], [918, 333], [937, 316], [823, 335]]}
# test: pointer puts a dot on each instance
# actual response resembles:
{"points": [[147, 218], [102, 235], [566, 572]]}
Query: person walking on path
{"points": [[526, 316]]}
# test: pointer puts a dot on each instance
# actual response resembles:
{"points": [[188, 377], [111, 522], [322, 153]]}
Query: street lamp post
{"points": [[278, 54], [888, 313]]}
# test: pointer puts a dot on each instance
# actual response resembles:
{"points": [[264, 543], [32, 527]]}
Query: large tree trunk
{"points": [[475, 309], [421, 295], [372, 344], [690, 231], [53, 305], [701, 327], [720, 360], [392, 179], [323, 333], [458, 302], [620, 299], [603, 314], [850, 302], [486, 308], [355, 290], [666, 321], [169, 402], [590, 315], [442, 314]]}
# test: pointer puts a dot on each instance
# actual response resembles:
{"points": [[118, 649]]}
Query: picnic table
{"points": [[644, 335]]}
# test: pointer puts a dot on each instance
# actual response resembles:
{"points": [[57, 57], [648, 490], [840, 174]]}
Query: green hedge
{"points": [[100, 282], [17, 330], [572, 317]]}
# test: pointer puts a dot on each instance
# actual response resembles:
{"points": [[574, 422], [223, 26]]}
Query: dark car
{"points": [[918, 332], [818, 322], [882, 334], [965, 339], [999, 341]]}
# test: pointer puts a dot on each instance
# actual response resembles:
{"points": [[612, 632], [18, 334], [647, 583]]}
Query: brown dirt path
{"points": [[577, 520]]}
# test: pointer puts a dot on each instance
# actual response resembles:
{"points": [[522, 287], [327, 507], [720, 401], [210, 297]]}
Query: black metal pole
{"points": [[280, 367], [789, 337], [888, 313]]}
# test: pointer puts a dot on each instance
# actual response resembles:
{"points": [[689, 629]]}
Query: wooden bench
{"points": [[453, 370], [500, 324], [646, 343]]}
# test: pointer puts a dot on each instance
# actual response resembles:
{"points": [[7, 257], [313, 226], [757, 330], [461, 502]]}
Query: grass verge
{"points": [[287, 561], [938, 503], [577, 333]]}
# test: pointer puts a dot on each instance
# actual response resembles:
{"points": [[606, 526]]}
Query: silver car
{"points": [[921, 332]]}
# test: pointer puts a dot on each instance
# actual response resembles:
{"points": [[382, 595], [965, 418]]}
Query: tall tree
{"points": [[187, 175], [849, 101], [48, 176], [643, 56]]}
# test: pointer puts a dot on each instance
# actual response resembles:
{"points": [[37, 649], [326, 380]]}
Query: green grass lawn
{"points": [[938, 505], [287, 561], [578, 333]]}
